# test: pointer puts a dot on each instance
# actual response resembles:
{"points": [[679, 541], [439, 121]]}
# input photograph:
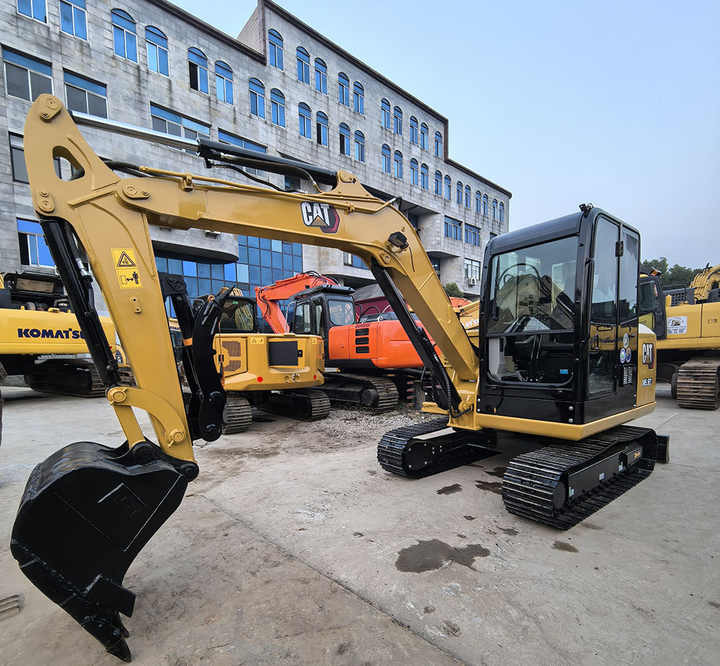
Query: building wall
{"points": [[132, 87]]}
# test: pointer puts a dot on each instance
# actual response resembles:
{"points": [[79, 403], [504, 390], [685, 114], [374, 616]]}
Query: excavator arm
{"points": [[269, 295], [89, 509]]}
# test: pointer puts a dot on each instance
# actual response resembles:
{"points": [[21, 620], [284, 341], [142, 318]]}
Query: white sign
{"points": [[677, 325]]}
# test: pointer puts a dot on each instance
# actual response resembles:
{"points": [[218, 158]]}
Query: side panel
{"points": [[244, 360], [647, 366], [41, 332]]}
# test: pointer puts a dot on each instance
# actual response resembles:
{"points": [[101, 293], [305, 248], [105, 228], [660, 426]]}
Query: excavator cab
{"points": [[319, 309], [651, 304], [561, 340]]}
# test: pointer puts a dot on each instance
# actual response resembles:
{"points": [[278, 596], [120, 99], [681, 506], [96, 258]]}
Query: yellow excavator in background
{"points": [[276, 373], [41, 340], [557, 354], [687, 325]]}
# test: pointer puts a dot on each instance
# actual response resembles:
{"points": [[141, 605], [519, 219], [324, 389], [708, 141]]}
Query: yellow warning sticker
{"points": [[126, 267]]}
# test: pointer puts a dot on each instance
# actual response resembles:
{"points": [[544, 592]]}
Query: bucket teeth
{"points": [[86, 512]]}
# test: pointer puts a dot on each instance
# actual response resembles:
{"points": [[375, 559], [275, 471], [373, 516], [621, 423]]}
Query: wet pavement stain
{"points": [[358, 534], [562, 545], [435, 554], [431, 609], [449, 490], [715, 604], [498, 471], [510, 531], [469, 517], [492, 486], [591, 526], [450, 628]]}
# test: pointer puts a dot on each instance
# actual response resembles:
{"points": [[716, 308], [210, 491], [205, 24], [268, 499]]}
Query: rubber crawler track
{"points": [[237, 415], [531, 478], [452, 450]]}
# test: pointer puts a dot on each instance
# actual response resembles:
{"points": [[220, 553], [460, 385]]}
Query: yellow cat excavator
{"points": [[559, 353], [687, 325]]}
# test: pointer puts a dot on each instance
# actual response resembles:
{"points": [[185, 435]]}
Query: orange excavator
{"points": [[374, 359]]}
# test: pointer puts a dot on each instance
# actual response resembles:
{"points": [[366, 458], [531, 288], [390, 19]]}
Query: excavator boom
{"points": [[78, 549]]}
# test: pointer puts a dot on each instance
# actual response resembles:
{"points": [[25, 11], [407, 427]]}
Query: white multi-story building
{"points": [[280, 87]]}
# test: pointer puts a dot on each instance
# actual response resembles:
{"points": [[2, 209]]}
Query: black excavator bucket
{"points": [[86, 512]]}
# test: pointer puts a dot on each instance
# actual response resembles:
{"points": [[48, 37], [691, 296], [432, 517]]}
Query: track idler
{"points": [[86, 512]]}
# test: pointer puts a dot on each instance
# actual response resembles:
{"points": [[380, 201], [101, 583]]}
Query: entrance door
{"points": [[612, 348]]}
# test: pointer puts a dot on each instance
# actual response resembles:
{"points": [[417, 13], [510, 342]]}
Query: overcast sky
{"points": [[615, 103]]}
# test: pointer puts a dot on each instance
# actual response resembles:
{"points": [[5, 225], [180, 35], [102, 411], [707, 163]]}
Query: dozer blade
{"points": [[86, 512]]}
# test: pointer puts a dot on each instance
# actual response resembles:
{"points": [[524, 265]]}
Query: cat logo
{"points": [[648, 354], [321, 215]]}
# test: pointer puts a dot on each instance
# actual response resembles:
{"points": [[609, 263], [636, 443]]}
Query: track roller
{"points": [[427, 448], [698, 384], [237, 415], [561, 484], [304, 404]]}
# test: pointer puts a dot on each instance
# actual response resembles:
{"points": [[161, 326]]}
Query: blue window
{"points": [[322, 128], [385, 113], [413, 130], [453, 228], [472, 235], [85, 95], [502, 211], [124, 37], [424, 176], [277, 107], [303, 65], [448, 187], [359, 146], [33, 248], [226, 137], [414, 172], [495, 206], [485, 204], [438, 183], [398, 164], [459, 193], [26, 77], [424, 133], [275, 48], [224, 82], [305, 120], [257, 98], [438, 144], [468, 196], [32, 8], [478, 202], [386, 158], [344, 139], [358, 98], [72, 18], [320, 76], [397, 120], [343, 89], [157, 50], [170, 122], [198, 69]]}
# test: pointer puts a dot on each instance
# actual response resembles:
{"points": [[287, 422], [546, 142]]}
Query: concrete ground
{"points": [[293, 546]]}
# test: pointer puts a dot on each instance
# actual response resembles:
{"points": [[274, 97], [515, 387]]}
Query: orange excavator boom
{"points": [[269, 296]]}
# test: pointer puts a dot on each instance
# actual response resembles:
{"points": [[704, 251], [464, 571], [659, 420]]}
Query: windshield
{"points": [[341, 312], [532, 288], [237, 317]]}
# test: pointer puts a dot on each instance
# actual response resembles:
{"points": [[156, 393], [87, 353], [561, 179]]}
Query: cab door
{"points": [[612, 343]]}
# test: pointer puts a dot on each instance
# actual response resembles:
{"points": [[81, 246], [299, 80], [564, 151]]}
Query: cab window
{"points": [[341, 312], [303, 320], [237, 317]]}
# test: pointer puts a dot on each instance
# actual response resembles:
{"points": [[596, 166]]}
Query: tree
{"points": [[675, 276], [451, 289]]}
